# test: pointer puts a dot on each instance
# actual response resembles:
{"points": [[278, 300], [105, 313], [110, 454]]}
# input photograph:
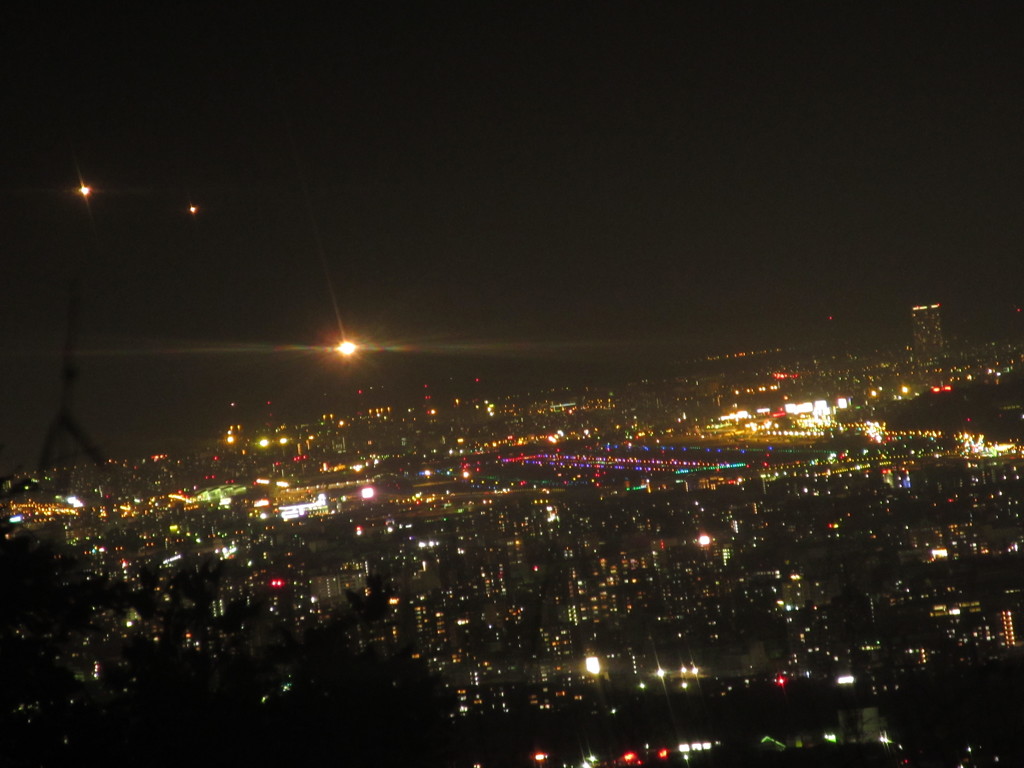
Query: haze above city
{"points": [[496, 191]]}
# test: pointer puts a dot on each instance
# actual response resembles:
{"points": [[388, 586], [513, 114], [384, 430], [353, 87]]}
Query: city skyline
{"points": [[821, 556], [491, 189]]}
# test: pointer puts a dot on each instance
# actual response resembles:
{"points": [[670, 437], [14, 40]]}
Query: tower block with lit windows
{"points": [[927, 329]]}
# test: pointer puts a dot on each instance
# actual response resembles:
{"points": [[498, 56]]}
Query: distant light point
{"points": [[193, 210], [347, 348], [85, 190]]}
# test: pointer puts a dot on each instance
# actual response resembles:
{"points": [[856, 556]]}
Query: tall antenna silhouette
{"points": [[64, 427]]}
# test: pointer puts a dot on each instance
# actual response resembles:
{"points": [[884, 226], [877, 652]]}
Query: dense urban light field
{"points": [[490, 385], [625, 570]]}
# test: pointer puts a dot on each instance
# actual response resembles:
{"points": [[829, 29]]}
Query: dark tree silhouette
{"points": [[371, 604], [46, 604], [197, 682]]}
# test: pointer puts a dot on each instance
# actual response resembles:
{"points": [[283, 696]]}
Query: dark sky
{"points": [[559, 184]]}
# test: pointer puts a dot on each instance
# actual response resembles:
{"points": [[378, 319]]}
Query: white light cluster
{"points": [[293, 511]]}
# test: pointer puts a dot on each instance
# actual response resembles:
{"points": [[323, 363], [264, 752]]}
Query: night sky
{"points": [[502, 190]]}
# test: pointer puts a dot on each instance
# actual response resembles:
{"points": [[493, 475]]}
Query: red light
{"points": [[630, 757], [781, 681], [663, 753], [277, 583]]}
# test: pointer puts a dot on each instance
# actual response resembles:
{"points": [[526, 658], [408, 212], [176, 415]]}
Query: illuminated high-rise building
{"points": [[928, 342], [1009, 635]]}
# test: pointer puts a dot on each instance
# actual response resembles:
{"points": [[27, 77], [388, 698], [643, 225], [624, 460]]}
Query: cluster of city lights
{"points": [[622, 464]]}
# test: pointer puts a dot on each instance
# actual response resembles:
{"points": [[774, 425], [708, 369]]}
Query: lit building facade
{"points": [[927, 329]]}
